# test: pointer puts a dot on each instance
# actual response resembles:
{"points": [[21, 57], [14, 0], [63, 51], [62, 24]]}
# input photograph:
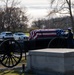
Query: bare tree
{"points": [[1, 21], [13, 16], [40, 23], [8, 9], [63, 7]]}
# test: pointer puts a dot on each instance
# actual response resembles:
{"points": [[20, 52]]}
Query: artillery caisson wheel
{"points": [[58, 43], [10, 53]]}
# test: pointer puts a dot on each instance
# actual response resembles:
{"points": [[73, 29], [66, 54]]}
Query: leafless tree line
{"points": [[61, 22], [63, 7], [12, 18]]}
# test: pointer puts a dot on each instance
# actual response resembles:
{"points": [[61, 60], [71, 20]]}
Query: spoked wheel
{"points": [[58, 43], [10, 53]]}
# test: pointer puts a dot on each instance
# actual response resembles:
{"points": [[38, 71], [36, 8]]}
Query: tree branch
{"points": [[67, 2]]}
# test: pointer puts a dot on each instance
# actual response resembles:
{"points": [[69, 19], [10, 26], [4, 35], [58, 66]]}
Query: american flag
{"points": [[44, 33]]}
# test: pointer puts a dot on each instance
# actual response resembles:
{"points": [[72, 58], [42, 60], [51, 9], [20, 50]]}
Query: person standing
{"points": [[70, 38]]}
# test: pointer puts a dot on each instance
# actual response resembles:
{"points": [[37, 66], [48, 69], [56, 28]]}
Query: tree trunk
{"points": [[71, 16]]}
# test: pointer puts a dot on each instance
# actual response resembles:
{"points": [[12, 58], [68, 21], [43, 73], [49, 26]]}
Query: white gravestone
{"points": [[51, 61]]}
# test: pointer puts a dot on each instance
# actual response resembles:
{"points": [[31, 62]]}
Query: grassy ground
{"points": [[14, 71], [27, 34]]}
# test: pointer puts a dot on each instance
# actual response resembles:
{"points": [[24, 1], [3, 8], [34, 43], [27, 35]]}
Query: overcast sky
{"points": [[36, 8]]}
